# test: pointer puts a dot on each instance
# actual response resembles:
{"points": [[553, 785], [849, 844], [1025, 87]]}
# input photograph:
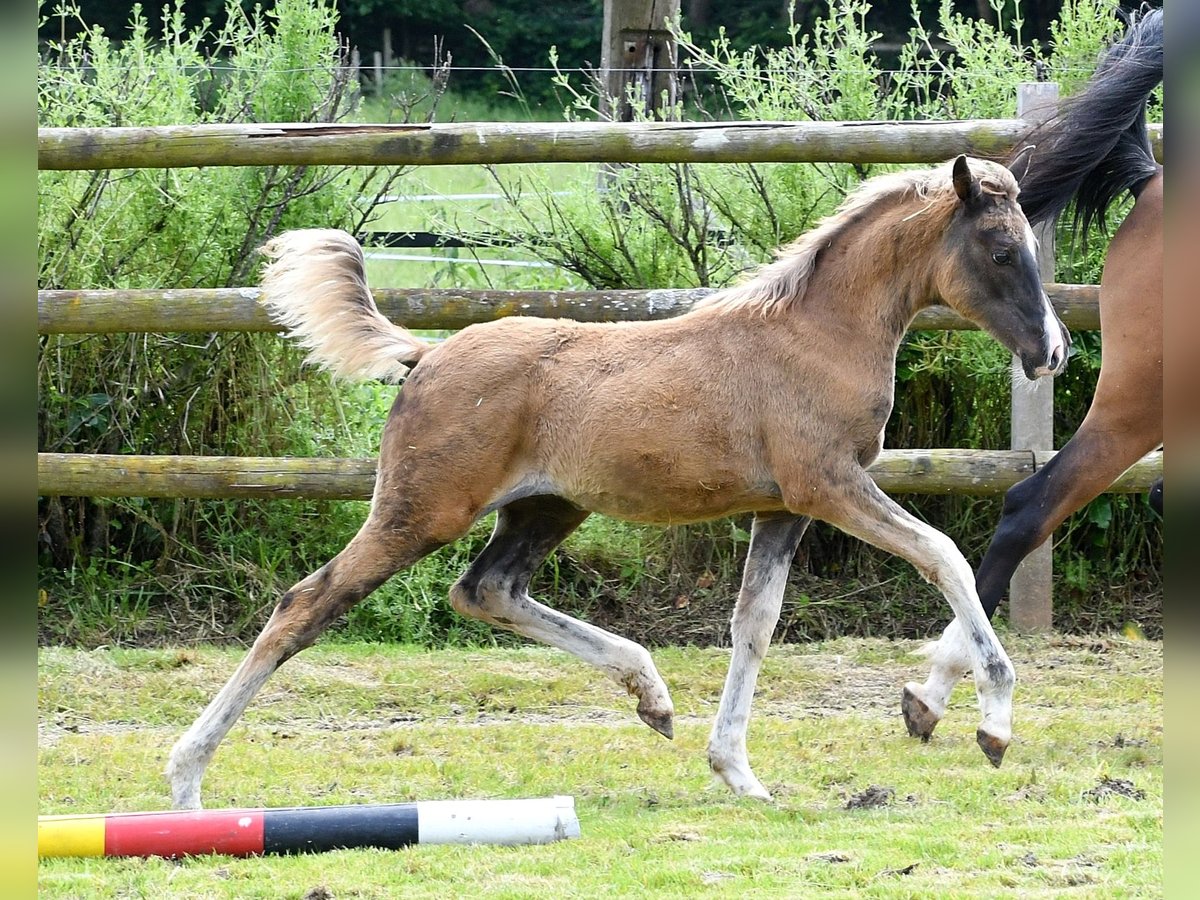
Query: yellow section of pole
{"points": [[70, 836]]}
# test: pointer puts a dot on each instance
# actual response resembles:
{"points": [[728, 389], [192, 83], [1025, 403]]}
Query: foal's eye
{"points": [[1001, 258]]}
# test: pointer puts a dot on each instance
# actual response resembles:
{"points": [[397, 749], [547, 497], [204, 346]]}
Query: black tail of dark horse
{"points": [[1097, 147]]}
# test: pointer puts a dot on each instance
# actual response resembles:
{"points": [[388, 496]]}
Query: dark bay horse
{"points": [[1090, 154], [769, 397]]}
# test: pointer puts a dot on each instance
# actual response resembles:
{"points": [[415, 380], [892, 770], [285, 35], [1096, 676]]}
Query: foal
{"points": [[770, 397]]}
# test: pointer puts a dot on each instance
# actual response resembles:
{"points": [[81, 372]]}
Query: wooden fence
{"points": [[236, 309]]}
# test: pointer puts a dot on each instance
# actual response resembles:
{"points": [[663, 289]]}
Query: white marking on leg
{"points": [[626, 662], [754, 619], [194, 750], [884, 523], [994, 675]]}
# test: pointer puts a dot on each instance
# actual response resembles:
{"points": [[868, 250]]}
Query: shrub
{"points": [[239, 394]]}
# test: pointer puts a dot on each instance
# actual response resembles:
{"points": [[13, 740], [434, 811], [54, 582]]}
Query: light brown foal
{"points": [[770, 397]]}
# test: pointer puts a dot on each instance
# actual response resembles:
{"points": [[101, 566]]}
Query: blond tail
{"points": [[316, 287]]}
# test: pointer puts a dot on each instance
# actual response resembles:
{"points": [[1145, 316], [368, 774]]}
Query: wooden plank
{"points": [[525, 142], [115, 475], [980, 472], [237, 309]]}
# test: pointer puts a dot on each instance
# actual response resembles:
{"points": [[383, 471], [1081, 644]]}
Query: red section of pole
{"points": [[237, 832]]}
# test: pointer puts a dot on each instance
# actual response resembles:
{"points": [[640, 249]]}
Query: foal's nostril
{"points": [[1056, 358]]}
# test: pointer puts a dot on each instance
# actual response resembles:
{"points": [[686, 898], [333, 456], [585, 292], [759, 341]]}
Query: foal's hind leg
{"points": [[773, 542], [494, 589], [856, 505], [305, 611]]}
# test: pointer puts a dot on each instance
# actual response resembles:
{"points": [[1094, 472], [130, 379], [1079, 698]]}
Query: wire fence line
{"points": [[933, 68]]}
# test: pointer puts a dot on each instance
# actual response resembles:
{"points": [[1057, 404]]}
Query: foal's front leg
{"points": [[773, 542], [924, 705], [854, 503]]}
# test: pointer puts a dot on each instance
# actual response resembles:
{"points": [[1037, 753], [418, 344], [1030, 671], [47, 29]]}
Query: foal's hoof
{"points": [[742, 782], [918, 717], [661, 722], [993, 747]]}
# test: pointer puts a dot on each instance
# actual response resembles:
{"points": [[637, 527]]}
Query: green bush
{"points": [[198, 567]]}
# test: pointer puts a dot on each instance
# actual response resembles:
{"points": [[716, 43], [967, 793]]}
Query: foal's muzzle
{"points": [[1056, 353]]}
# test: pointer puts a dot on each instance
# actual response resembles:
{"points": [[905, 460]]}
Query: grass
{"points": [[460, 267], [358, 723], [444, 200]]}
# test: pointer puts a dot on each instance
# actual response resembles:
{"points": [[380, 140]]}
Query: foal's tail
{"points": [[316, 286], [1098, 147]]}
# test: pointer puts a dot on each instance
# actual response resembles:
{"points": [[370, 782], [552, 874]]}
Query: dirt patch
{"points": [[832, 856], [903, 870], [872, 798], [863, 679], [1120, 742], [872, 688], [1109, 787]]}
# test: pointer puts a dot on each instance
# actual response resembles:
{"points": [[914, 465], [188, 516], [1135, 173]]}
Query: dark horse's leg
{"points": [[494, 589], [1156, 496], [773, 542], [1079, 473]]}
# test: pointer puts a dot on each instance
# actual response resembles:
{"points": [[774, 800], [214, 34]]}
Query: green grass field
{"points": [[1077, 809], [454, 200]]}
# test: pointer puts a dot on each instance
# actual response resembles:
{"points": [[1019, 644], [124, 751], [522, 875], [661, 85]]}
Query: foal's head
{"points": [[988, 271]]}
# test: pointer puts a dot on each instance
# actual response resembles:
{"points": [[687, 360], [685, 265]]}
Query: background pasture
{"points": [[860, 808]]}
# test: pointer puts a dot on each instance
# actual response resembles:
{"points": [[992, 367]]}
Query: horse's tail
{"points": [[1097, 147], [316, 286]]}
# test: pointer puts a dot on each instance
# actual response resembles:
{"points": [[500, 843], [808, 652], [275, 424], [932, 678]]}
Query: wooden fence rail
{"points": [[527, 142], [238, 309], [981, 472]]}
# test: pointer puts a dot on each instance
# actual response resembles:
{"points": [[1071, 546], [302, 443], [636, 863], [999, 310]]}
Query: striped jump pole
{"points": [[315, 829]]}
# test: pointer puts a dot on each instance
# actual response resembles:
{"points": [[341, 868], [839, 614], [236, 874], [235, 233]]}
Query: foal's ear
{"points": [[1019, 164], [965, 184]]}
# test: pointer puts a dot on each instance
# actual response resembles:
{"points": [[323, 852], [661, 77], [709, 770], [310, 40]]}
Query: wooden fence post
{"points": [[1031, 603], [637, 50], [389, 59], [378, 60]]}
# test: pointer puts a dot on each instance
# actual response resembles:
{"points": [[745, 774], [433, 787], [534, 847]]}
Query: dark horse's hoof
{"points": [[993, 748], [918, 718]]}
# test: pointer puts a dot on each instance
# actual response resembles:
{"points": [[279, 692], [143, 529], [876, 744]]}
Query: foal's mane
{"points": [[781, 285]]}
